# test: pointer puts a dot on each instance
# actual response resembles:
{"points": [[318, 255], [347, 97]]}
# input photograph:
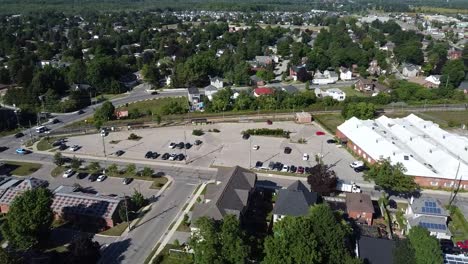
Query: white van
{"points": [[41, 129]]}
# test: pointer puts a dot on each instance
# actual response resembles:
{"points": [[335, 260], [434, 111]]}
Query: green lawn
{"points": [[352, 92], [183, 227], [155, 106], [446, 118], [57, 171], [167, 257], [116, 230], [45, 143], [158, 183], [329, 121], [22, 168], [458, 226]]}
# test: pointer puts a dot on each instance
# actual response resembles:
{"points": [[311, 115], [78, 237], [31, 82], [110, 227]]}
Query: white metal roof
{"points": [[421, 146]]}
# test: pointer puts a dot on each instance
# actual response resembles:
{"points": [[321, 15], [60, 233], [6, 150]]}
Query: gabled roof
{"points": [[229, 196], [216, 78], [294, 200], [359, 202], [263, 91], [428, 206], [290, 89], [431, 223], [375, 250], [193, 90], [210, 88]]}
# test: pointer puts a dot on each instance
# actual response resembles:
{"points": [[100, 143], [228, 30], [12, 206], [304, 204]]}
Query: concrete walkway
{"points": [[180, 218]]}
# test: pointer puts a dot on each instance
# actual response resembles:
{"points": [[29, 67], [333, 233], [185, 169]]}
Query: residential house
{"points": [[327, 77], [389, 46], [299, 73], [80, 87], [195, 98], [263, 91], [290, 89], [295, 200], [369, 85], [229, 194], [410, 70], [11, 191], [217, 82], [374, 68], [429, 213], [345, 74], [463, 86], [334, 93], [263, 61], [256, 81], [433, 81], [373, 250], [210, 90], [359, 207]]}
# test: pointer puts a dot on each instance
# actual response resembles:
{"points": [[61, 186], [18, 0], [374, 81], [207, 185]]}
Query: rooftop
{"points": [[294, 200], [359, 202], [375, 250]]}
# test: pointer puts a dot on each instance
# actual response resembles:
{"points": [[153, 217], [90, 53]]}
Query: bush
{"points": [[267, 132], [133, 136], [216, 130], [197, 132]]}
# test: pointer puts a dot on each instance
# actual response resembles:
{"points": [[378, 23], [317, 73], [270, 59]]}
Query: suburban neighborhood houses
{"points": [[234, 132]]}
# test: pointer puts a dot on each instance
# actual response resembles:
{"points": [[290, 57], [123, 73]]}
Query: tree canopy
{"points": [[419, 248], [322, 179], [391, 177], [29, 219], [360, 110], [105, 112]]}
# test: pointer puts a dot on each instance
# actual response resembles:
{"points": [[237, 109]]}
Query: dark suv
{"points": [[287, 150], [165, 156]]}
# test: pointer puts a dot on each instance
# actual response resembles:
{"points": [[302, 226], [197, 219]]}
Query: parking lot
{"points": [[226, 148]]}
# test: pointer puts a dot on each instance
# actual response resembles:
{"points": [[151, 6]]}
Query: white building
{"points": [[345, 74], [334, 93], [433, 156], [327, 77], [428, 213], [434, 79]]}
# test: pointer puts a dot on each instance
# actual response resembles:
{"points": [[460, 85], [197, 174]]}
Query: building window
{"points": [[369, 160], [434, 183], [354, 147], [448, 184], [359, 151], [364, 155]]}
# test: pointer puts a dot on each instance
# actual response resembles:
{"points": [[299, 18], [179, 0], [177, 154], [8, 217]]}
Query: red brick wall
{"points": [[360, 215], [444, 183]]}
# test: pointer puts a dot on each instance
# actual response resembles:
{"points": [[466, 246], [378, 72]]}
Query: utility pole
{"points": [[126, 213], [454, 192]]}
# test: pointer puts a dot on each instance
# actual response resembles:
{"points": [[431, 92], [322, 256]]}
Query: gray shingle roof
{"points": [[230, 196], [193, 90], [295, 200], [376, 250], [428, 219], [418, 204], [359, 202]]}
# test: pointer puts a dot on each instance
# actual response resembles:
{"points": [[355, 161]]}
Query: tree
{"points": [[130, 169], [7, 258], [84, 250], [390, 177], [219, 241], [105, 113], [112, 169], [138, 200], [403, 253], [266, 75], [426, 247], [151, 74], [75, 163], [453, 73], [94, 167], [322, 179], [58, 159], [158, 119], [360, 110], [29, 219], [147, 172]]}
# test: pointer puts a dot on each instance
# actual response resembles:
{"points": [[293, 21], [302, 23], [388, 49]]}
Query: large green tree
{"points": [[426, 247], [29, 218], [219, 242], [319, 237], [391, 177], [84, 250], [322, 179], [453, 73], [403, 253], [105, 113], [360, 110]]}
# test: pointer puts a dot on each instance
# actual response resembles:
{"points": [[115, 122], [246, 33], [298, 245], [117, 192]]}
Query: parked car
{"points": [[165, 156], [258, 164], [74, 148], [127, 181], [81, 175], [18, 135], [300, 170], [462, 244], [180, 145], [63, 147], [3, 148], [319, 133], [93, 177], [356, 164], [285, 168], [305, 156], [293, 169], [180, 157], [188, 145], [55, 121], [101, 178], [361, 169], [198, 142], [271, 165], [154, 155], [287, 150], [172, 156], [172, 145], [149, 155], [68, 173], [22, 151], [80, 112], [58, 142], [279, 166], [104, 133], [255, 147], [269, 122], [331, 141], [307, 170], [119, 153], [246, 136]]}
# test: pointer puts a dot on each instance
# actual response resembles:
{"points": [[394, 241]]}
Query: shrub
{"points": [[216, 130], [267, 132], [197, 132], [133, 136]]}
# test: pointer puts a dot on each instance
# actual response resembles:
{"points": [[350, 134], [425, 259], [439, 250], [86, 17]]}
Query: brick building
{"points": [[359, 207], [430, 154]]}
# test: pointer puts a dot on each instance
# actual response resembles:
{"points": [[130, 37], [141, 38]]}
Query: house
{"points": [[263, 61], [369, 85], [327, 77], [454, 54], [374, 68], [256, 81], [210, 90], [17, 187], [98, 210], [217, 82], [345, 74], [433, 80], [298, 73], [129, 80], [410, 70], [359, 207], [429, 213], [290, 89], [229, 194], [389, 46], [373, 250], [80, 87], [334, 93], [303, 117], [295, 200], [263, 91]]}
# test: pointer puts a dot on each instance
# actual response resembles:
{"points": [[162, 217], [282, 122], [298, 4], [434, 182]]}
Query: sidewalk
{"points": [[180, 218]]}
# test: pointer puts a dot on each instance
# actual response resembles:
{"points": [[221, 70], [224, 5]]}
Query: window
{"points": [[448, 184], [364, 155], [354, 147], [369, 160], [359, 151], [434, 183]]}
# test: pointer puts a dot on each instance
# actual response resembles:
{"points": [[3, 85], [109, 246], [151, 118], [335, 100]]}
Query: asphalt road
{"points": [[137, 244]]}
